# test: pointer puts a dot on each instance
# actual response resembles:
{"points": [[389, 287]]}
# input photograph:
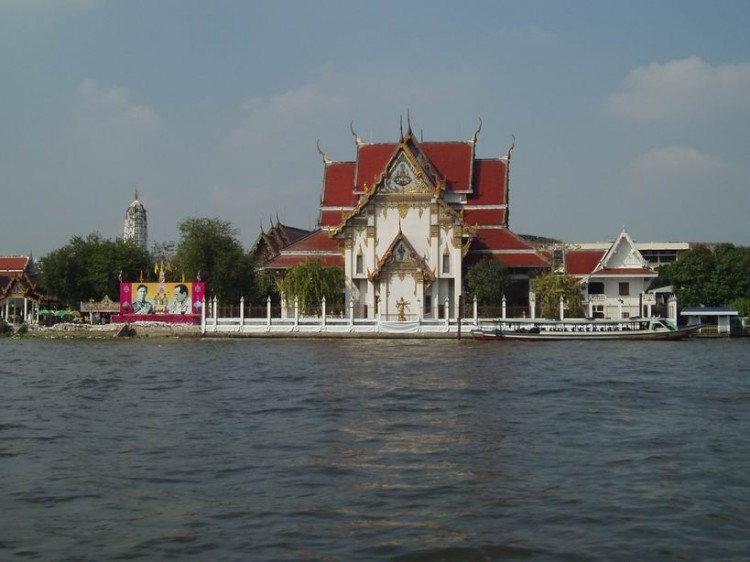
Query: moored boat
{"points": [[573, 329]]}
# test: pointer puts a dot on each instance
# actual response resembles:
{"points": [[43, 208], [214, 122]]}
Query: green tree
{"points": [[742, 304], [691, 277], [731, 279], [309, 282], [488, 281], [709, 277], [88, 268], [210, 248], [549, 287], [267, 286]]}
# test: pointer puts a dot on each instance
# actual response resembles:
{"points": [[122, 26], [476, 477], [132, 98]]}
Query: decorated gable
{"points": [[623, 255], [404, 177], [401, 256]]}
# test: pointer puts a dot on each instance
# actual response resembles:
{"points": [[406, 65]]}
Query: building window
{"points": [[446, 263], [427, 305], [360, 264], [624, 289], [596, 288]]}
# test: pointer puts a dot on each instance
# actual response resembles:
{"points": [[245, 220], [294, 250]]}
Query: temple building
{"points": [[406, 219], [19, 296], [270, 242], [136, 224]]}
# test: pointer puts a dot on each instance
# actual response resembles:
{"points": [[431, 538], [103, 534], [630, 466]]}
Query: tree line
{"points": [[90, 267], [718, 276]]}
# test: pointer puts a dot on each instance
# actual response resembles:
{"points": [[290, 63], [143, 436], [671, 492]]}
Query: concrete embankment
{"points": [[110, 331]]}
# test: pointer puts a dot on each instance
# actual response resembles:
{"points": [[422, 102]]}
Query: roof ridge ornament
{"points": [[326, 160], [476, 133], [512, 146], [357, 138]]}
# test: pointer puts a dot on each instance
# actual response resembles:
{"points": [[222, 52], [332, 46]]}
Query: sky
{"points": [[625, 114]]}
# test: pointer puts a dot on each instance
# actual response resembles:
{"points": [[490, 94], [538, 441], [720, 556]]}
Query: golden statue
{"points": [[401, 304]]}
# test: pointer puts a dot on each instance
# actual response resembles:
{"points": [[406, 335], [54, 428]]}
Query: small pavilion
{"points": [[19, 296]]}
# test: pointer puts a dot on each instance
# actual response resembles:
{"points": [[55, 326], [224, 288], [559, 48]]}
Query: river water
{"points": [[342, 450]]}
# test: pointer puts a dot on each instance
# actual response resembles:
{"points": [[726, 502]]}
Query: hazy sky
{"points": [[625, 113]]}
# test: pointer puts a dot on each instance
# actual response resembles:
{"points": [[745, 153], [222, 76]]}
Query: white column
{"points": [[203, 315], [476, 310], [672, 308], [505, 309], [268, 311], [532, 305], [216, 311], [242, 312], [323, 311], [562, 308], [591, 308], [296, 310], [351, 311], [25, 308]]}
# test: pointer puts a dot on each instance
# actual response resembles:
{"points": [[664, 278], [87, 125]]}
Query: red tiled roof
{"points": [[13, 264], [338, 185], [499, 239], [485, 217], [626, 271], [371, 162], [453, 161], [331, 218], [284, 262], [501, 244], [582, 262], [318, 240], [489, 183], [316, 246], [522, 259], [483, 180]]}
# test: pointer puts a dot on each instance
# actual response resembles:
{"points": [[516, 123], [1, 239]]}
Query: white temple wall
{"points": [[631, 303]]}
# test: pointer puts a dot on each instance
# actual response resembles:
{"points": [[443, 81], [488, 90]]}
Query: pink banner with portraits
{"points": [[157, 299]]}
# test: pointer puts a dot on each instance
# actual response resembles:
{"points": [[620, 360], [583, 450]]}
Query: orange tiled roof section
{"points": [[13, 264]]}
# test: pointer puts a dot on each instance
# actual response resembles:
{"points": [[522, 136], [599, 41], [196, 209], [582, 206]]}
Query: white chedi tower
{"points": [[136, 225]]}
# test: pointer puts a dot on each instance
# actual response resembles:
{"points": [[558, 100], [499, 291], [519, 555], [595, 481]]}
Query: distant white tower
{"points": [[136, 225]]}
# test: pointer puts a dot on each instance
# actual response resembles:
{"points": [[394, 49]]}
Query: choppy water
{"points": [[374, 450]]}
